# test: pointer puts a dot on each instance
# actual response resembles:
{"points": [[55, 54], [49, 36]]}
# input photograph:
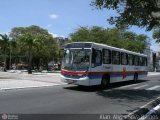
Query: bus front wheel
{"points": [[105, 81]]}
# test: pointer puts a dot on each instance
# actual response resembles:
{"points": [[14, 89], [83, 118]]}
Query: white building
{"points": [[149, 53], [61, 41]]}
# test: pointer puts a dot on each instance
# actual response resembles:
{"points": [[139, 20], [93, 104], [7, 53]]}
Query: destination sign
{"points": [[79, 45]]}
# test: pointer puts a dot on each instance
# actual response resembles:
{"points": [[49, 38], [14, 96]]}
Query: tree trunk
{"points": [[47, 66], [38, 64], [30, 60], [5, 60]]}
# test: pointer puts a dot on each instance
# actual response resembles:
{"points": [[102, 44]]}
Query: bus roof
{"points": [[111, 47]]}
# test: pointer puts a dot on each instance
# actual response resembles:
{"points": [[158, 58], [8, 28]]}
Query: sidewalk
{"points": [[19, 84], [153, 73], [17, 80], [25, 71]]}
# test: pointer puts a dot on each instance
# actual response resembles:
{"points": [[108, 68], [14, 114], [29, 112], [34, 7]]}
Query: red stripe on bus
{"points": [[72, 73], [99, 73], [122, 72]]}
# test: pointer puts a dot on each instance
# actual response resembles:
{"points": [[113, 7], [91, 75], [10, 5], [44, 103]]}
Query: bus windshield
{"points": [[76, 59]]}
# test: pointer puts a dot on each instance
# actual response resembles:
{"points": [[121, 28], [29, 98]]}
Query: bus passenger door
{"points": [[96, 67]]}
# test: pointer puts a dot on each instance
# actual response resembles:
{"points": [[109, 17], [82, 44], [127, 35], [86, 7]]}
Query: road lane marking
{"points": [[48, 81], [140, 86], [126, 86], [153, 88]]}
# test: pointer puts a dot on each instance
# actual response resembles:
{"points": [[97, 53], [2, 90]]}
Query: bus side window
{"points": [[140, 61], [133, 57], [124, 58], [106, 56], [136, 60], [144, 61], [115, 57], [96, 57], [130, 59]]}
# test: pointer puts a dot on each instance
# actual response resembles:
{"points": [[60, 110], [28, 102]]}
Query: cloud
{"points": [[56, 35], [53, 34], [2, 33], [49, 25], [53, 16]]}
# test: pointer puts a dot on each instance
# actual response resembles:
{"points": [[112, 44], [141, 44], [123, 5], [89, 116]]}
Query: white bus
{"points": [[88, 63]]}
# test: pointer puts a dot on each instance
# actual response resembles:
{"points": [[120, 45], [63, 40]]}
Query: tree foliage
{"points": [[156, 36], [143, 13], [4, 44], [113, 37], [38, 45]]}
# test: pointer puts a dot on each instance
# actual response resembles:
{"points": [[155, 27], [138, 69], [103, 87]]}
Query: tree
{"points": [[113, 37], [143, 13], [4, 42], [81, 34], [29, 41], [35, 42], [156, 35], [129, 35], [96, 34]]}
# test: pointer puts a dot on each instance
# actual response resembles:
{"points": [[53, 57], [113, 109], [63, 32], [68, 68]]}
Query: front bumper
{"points": [[81, 81]]}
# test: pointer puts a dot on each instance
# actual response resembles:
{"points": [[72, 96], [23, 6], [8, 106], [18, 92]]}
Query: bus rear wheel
{"points": [[135, 79], [105, 81]]}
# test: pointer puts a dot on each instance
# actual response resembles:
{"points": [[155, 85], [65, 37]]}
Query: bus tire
{"points": [[105, 81], [135, 79]]}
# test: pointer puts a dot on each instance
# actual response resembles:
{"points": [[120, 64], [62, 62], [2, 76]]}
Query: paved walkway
{"points": [[18, 84], [19, 80], [153, 73]]}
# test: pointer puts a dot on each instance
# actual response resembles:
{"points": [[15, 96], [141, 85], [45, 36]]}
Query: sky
{"points": [[59, 17]]}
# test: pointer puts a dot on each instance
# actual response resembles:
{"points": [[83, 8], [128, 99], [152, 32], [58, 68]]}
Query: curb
{"points": [[55, 72], [153, 114], [137, 114]]}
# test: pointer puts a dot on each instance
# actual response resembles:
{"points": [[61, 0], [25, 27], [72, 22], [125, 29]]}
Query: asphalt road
{"points": [[119, 98]]}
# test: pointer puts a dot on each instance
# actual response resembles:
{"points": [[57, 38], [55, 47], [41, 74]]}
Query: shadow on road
{"points": [[130, 95], [127, 97], [99, 88]]}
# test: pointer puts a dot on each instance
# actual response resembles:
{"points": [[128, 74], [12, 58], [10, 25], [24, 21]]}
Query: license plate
{"points": [[70, 81]]}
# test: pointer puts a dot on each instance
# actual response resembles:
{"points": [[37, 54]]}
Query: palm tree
{"points": [[4, 41], [12, 47], [156, 36], [29, 42]]}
